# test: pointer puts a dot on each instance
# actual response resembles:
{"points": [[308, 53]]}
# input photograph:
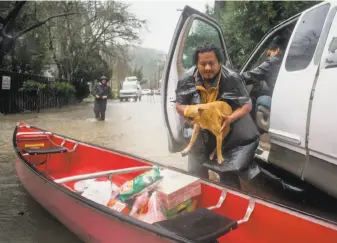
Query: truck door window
{"points": [[331, 58], [305, 40], [260, 56], [199, 33]]}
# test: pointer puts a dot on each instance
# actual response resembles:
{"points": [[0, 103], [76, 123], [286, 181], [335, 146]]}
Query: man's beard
{"points": [[210, 80]]}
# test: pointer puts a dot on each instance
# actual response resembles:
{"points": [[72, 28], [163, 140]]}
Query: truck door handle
{"points": [[172, 99]]}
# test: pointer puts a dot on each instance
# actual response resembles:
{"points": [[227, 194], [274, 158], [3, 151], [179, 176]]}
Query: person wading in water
{"points": [[101, 92]]}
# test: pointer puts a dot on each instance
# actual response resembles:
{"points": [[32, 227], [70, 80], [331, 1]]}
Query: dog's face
{"points": [[193, 115]]}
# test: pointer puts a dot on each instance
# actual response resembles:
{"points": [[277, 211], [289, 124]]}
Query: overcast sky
{"points": [[162, 17]]}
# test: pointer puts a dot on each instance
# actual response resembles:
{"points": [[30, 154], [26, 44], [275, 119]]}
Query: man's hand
{"points": [[104, 97], [97, 96], [180, 109], [226, 122], [237, 114]]}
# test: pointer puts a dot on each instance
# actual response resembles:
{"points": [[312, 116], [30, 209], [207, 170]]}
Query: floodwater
{"points": [[134, 127]]}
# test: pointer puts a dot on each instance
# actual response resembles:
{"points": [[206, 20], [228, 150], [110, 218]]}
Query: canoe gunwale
{"points": [[149, 227]]}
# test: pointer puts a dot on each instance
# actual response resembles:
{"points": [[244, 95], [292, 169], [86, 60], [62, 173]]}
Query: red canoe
{"points": [[48, 165]]}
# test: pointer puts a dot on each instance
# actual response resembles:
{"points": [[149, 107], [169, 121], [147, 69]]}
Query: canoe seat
{"points": [[53, 150], [200, 225], [57, 149]]}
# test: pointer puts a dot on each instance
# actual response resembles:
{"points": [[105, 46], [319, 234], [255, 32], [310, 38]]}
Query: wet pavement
{"points": [[134, 127]]}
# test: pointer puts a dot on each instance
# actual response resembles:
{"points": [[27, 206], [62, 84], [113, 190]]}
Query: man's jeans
{"points": [[263, 100]]}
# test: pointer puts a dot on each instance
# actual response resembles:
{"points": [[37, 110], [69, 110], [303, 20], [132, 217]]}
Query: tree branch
{"points": [[17, 35], [15, 11]]}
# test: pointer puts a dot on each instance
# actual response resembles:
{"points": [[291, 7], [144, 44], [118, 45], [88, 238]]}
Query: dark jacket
{"points": [[230, 89], [267, 71], [101, 90]]}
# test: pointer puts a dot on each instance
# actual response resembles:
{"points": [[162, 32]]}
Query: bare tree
{"points": [[8, 34], [80, 38]]}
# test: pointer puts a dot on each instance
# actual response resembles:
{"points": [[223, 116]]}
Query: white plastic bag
{"points": [[80, 186], [114, 191], [154, 213], [140, 201], [98, 191]]}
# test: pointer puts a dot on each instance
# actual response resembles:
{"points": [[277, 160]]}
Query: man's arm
{"points": [[237, 114], [258, 74], [94, 90], [239, 97], [240, 112], [180, 109], [186, 94]]}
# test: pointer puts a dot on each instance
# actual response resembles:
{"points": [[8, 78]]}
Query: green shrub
{"points": [[63, 89], [30, 86]]}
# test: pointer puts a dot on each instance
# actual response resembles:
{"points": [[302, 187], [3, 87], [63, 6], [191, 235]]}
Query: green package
{"points": [[185, 207], [133, 187], [176, 210]]}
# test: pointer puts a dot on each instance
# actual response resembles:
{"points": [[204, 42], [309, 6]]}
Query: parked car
{"points": [[302, 124], [157, 92], [146, 91]]}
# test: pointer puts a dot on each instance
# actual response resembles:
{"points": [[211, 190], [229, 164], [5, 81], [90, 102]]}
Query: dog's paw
{"points": [[183, 153], [220, 161]]}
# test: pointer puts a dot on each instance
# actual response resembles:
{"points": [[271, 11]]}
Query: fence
{"points": [[14, 101]]}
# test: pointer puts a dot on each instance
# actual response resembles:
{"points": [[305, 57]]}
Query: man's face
{"points": [[103, 81], [272, 53], [208, 65]]}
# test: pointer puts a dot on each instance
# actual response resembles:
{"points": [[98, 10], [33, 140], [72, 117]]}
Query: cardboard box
{"points": [[176, 188]]}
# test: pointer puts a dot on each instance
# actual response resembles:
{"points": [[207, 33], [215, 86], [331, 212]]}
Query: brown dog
{"points": [[208, 116]]}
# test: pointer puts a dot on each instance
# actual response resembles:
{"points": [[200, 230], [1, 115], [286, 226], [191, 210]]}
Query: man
{"points": [[267, 71], [212, 81], [101, 92]]}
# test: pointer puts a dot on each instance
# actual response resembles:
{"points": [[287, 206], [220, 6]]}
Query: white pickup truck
{"points": [[131, 89], [302, 124]]}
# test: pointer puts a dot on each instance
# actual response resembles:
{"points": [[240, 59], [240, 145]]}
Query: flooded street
{"points": [[134, 127]]}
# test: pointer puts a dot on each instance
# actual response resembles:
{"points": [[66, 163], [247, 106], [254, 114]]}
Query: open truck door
{"points": [[193, 29]]}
